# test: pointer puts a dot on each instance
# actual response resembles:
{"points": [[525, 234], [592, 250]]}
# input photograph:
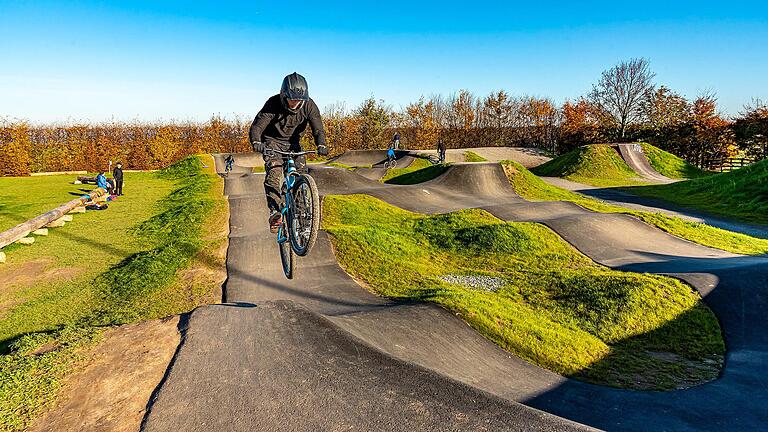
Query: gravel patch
{"points": [[478, 282]]}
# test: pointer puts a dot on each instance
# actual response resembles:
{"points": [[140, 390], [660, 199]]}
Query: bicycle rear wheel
{"points": [[305, 215], [286, 251]]}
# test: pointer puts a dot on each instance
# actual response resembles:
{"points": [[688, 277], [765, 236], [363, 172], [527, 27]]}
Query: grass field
{"points": [[533, 188], [105, 268], [552, 306], [740, 194]]}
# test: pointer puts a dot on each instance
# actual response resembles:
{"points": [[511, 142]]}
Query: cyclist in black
{"points": [[395, 143], [441, 150], [278, 126], [230, 161]]}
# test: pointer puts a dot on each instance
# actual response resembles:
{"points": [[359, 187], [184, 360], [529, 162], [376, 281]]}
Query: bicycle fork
{"points": [[282, 237]]}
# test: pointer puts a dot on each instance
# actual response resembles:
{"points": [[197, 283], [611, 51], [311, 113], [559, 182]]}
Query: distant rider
{"points": [[395, 144], [441, 150], [391, 154], [278, 126], [230, 161]]}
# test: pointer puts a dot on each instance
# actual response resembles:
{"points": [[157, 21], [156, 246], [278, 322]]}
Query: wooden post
{"points": [[23, 229]]}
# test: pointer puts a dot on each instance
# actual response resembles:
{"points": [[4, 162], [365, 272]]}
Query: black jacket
{"points": [[117, 173], [275, 123]]}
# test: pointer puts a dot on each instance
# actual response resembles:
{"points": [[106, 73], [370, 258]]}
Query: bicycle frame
{"points": [[289, 174]]}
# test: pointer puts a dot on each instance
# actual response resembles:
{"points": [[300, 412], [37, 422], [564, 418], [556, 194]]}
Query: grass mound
{"points": [[533, 188], [419, 171], [470, 156], [741, 194], [554, 307], [670, 165], [597, 164], [130, 261]]}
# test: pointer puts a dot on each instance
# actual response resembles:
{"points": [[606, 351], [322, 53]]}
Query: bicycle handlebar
{"points": [[301, 153]]}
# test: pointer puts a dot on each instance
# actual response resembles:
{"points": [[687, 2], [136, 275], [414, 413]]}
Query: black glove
{"points": [[258, 147], [322, 150]]}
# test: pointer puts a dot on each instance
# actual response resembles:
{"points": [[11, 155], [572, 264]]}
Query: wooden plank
{"points": [[21, 230], [79, 209], [67, 218], [26, 240], [40, 232], [2, 257]]}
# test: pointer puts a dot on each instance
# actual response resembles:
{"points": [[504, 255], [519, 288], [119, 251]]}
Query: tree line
{"points": [[625, 104]]}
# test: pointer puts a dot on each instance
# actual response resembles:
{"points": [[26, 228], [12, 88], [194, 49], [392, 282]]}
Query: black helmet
{"points": [[295, 88]]}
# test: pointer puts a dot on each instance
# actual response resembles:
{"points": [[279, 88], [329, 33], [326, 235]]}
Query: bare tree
{"points": [[620, 90]]}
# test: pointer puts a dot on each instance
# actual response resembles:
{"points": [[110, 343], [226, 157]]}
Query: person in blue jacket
{"points": [[101, 181]]}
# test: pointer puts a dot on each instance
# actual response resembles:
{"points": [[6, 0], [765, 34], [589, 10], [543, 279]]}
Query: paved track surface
{"points": [[425, 337], [635, 202], [640, 164]]}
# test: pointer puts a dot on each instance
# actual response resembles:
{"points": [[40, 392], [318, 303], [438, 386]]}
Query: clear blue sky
{"points": [[185, 60]]}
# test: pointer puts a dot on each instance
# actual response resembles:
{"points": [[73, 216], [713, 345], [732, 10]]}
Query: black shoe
{"points": [[275, 220]]}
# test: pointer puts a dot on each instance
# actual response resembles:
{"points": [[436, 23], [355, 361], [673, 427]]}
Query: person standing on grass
{"points": [[117, 174]]}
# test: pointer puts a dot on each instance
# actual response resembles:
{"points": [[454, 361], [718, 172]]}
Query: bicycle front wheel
{"points": [[305, 215], [286, 253]]}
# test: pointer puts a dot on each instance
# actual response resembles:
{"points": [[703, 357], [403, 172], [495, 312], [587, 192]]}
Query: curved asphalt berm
{"points": [[371, 162], [640, 164], [427, 336], [653, 205]]}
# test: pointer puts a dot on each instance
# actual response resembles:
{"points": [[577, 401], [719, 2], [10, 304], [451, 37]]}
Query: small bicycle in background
{"points": [[391, 159], [301, 212]]}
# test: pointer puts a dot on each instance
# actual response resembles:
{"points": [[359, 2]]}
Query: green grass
{"points": [[126, 261], [419, 171], [470, 156], [670, 165], [347, 167], [533, 188], [740, 194], [597, 164], [556, 308]]}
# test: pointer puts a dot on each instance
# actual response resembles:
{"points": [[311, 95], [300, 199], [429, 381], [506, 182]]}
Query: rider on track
{"points": [[278, 126]]}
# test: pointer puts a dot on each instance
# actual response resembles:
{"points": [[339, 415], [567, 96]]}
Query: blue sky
{"points": [[151, 60]]}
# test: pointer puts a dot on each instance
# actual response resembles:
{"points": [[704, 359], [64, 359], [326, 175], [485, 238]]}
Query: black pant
{"points": [[118, 187], [273, 166]]}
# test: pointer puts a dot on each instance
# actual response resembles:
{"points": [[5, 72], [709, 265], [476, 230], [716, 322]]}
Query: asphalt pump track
{"points": [[320, 352]]}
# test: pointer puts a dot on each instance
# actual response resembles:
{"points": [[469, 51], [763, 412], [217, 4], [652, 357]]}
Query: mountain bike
{"points": [[301, 212], [391, 160]]}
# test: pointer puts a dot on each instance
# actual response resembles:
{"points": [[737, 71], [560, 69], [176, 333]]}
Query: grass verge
{"points": [[741, 194], [552, 306], [533, 188], [145, 257]]}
